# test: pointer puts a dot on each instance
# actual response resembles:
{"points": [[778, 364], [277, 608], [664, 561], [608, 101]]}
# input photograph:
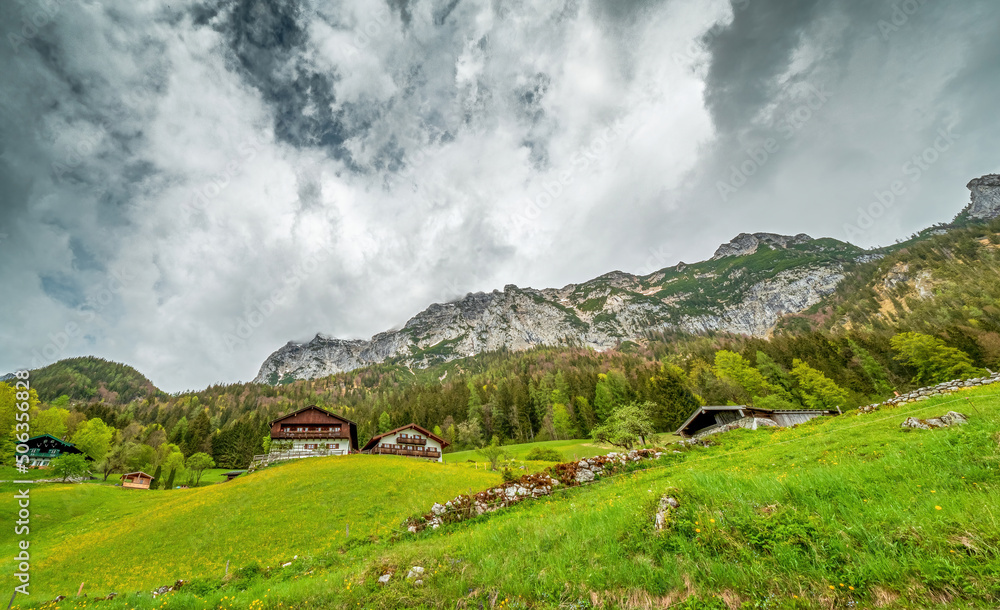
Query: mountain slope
{"points": [[745, 288]]}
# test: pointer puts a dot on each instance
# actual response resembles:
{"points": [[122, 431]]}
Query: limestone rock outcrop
{"points": [[600, 314], [985, 202], [747, 243]]}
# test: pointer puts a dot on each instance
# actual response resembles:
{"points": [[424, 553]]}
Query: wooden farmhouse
{"points": [[313, 431], [43, 448], [410, 440], [136, 480], [706, 420]]}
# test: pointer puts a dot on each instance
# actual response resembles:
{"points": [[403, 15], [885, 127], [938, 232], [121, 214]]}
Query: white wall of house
{"points": [[319, 446], [392, 439]]}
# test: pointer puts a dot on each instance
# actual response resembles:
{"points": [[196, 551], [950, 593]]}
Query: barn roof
{"points": [[701, 410], [756, 411], [303, 409], [128, 474], [375, 439], [56, 439]]}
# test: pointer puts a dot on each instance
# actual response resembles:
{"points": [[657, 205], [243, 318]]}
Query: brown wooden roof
{"points": [[304, 409], [128, 474], [375, 439]]}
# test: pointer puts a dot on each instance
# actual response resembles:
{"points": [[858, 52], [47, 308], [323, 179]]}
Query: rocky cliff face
{"points": [[985, 197], [747, 243], [737, 291]]}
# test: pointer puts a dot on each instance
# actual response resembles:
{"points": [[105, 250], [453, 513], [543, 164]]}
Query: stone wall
{"points": [[529, 487], [934, 390]]}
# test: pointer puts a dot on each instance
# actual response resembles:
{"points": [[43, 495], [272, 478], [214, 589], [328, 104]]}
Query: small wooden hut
{"points": [[136, 480]]}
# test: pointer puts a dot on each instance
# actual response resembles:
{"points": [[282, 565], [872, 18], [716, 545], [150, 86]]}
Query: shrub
{"points": [[543, 454]]}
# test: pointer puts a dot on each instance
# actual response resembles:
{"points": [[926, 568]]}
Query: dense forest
{"points": [[924, 311]]}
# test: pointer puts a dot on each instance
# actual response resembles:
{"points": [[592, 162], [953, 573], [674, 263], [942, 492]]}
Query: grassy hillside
{"points": [[570, 450], [844, 512], [128, 540]]}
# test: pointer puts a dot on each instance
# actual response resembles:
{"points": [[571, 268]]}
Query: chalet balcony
{"points": [[411, 441], [432, 454], [291, 435]]}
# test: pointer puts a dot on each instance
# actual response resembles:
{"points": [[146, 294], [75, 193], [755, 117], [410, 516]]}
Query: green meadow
{"points": [[571, 450], [115, 539], [840, 512]]}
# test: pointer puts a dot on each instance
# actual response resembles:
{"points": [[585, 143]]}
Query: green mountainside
{"points": [[90, 378]]}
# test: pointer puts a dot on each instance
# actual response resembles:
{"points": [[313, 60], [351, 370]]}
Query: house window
{"points": [[333, 445], [310, 445]]}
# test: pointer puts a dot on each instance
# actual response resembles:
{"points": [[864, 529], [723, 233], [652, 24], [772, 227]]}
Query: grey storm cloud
{"points": [[187, 186]]}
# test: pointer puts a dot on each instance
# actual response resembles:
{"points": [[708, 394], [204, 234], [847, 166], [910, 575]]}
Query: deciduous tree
{"points": [[818, 391], [493, 452], [933, 360], [197, 463], [94, 437], [628, 425], [69, 465]]}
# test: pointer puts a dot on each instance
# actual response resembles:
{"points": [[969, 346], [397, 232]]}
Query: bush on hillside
{"points": [[544, 454]]}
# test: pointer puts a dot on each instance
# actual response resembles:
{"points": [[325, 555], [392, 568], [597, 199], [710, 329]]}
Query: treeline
{"points": [[946, 285], [880, 332], [541, 394]]}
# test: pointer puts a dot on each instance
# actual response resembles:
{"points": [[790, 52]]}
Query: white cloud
{"points": [[417, 157]]}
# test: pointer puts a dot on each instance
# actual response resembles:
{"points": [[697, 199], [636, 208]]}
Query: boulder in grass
{"points": [[913, 422], [667, 504], [951, 418]]}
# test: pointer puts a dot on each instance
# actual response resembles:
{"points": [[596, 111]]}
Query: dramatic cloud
{"points": [[187, 186]]}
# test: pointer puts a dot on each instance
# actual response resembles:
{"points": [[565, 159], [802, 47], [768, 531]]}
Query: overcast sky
{"points": [[185, 187]]}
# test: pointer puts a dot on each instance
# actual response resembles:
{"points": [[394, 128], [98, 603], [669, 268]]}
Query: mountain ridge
{"points": [[746, 287], [782, 274]]}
